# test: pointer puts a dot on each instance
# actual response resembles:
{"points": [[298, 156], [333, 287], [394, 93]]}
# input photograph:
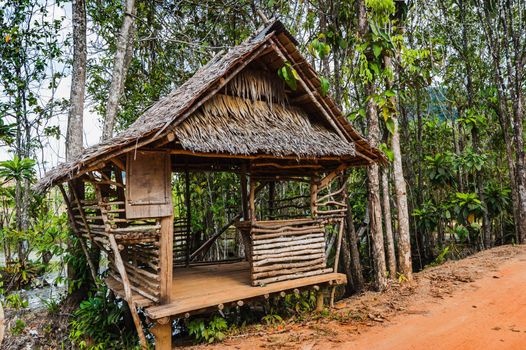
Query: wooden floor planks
{"points": [[202, 287]]}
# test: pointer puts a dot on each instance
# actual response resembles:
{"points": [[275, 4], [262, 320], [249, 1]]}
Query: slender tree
{"points": [[389, 237], [74, 138], [120, 67], [373, 174]]}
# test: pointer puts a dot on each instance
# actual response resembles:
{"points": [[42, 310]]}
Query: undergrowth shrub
{"points": [[272, 312], [209, 331], [99, 323]]}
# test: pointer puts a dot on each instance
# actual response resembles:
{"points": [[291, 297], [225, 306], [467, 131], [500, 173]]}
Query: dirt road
{"points": [[475, 303]]}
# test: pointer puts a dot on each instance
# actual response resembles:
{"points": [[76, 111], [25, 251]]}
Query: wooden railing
{"points": [[285, 249]]}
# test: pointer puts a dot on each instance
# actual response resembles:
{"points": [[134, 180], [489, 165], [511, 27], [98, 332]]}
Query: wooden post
{"points": [[188, 214], [166, 258], [162, 330], [271, 195], [319, 300], [252, 198], [314, 196], [244, 195]]}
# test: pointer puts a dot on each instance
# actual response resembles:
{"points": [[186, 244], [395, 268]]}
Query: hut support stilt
{"points": [[162, 330], [319, 300]]}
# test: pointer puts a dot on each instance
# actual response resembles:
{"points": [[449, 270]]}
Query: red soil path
{"points": [[491, 314], [474, 303]]}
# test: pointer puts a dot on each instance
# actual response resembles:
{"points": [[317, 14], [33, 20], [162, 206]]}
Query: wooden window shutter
{"points": [[148, 185]]}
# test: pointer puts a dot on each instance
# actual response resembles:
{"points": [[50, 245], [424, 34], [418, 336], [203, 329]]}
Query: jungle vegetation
{"points": [[437, 85]]}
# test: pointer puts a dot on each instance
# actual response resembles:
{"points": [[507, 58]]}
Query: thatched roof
{"points": [[289, 130], [235, 125]]}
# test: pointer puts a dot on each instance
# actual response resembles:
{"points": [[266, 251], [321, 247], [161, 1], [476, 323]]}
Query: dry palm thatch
{"points": [[242, 126], [257, 84]]}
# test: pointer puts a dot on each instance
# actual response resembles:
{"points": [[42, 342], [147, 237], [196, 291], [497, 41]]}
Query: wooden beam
{"points": [[314, 197], [319, 300], [119, 163], [241, 156], [330, 176], [227, 296]]}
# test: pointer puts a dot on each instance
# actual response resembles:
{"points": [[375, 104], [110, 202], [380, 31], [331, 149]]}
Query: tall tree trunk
{"points": [[23, 144], [389, 238], [404, 239], [495, 48], [120, 68], [515, 58], [74, 138], [373, 177]]}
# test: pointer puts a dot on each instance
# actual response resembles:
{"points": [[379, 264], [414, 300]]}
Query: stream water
{"points": [[43, 288]]}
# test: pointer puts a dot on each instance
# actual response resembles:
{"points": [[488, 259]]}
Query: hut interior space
{"points": [[178, 243]]}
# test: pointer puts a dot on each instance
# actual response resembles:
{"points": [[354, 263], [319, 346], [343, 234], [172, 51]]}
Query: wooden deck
{"points": [[201, 287]]}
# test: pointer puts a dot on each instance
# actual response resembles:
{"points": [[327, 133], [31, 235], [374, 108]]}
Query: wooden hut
{"points": [[234, 115]]}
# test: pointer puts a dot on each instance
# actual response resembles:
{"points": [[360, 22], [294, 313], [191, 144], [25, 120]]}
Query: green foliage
{"points": [[319, 48], [441, 258], [7, 131], [208, 331], [427, 217], [272, 319], [467, 207], [325, 85], [99, 324], [381, 9], [289, 75], [52, 305], [387, 151], [497, 198], [18, 327], [440, 168], [15, 301], [17, 169]]}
